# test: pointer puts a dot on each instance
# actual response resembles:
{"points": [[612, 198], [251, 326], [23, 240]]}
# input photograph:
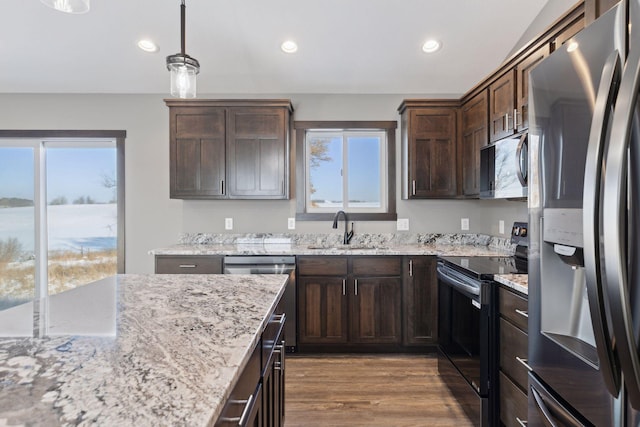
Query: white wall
{"points": [[153, 220]]}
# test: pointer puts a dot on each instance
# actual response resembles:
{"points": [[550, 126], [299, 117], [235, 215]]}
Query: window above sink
{"points": [[346, 166]]}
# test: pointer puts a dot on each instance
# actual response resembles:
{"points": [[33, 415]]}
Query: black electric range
{"points": [[485, 267]]}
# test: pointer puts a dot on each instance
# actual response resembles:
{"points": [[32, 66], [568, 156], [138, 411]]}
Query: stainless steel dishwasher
{"points": [[272, 265]]}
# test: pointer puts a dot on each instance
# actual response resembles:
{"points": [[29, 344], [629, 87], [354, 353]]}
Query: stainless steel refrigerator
{"points": [[584, 258]]}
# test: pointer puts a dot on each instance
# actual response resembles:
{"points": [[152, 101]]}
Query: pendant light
{"points": [[68, 6], [182, 67]]}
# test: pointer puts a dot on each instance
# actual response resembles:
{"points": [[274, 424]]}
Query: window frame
{"points": [[301, 129]]}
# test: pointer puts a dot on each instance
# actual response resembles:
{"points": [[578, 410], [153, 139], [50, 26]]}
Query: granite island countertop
{"points": [[169, 351]]}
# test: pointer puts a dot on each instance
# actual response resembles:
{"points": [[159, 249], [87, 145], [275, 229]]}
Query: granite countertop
{"points": [[330, 244], [518, 282], [160, 350]]}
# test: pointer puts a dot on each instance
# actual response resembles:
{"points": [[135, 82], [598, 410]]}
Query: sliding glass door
{"points": [[59, 222]]}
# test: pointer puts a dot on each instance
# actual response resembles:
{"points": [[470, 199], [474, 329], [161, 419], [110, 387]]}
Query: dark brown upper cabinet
{"points": [[502, 106], [429, 139], [595, 8], [257, 152], [474, 136], [197, 151], [522, 82], [229, 149]]}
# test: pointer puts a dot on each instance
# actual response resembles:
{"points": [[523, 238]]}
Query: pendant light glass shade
{"points": [[182, 67], [183, 71], [68, 6]]}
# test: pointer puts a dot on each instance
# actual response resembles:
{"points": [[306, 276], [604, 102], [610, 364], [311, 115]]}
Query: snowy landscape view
{"points": [[82, 248]]}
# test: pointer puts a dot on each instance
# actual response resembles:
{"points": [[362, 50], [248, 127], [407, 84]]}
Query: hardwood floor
{"points": [[368, 390]]}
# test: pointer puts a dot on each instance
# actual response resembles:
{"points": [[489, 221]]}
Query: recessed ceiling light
{"points": [[289, 46], [431, 46], [148, 46]]}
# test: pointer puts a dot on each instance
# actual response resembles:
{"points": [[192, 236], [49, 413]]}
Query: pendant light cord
{"points": [[182, 21]]}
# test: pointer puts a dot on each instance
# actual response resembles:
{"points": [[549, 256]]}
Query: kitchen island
{"points": [[160, 350]]}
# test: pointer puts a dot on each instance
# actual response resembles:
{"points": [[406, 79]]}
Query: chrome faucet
{"points": [[347, 234]]}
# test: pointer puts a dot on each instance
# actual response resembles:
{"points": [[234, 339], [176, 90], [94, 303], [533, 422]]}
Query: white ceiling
{"points": [[345, 46]]}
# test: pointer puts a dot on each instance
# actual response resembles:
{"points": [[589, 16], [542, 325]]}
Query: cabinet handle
{"points": [[279, 349], [222, 186], [413, 189], [356, 282], [344, 287], [245, 412], [410, 268], [522, 313], [515, 118], [505, 121], [188, 265], [524, 363], [279, 318], [521, 422]]}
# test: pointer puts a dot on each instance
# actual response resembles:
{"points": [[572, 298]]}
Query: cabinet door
{"points": [[475, 118], [376, 310], [197, 152], [257, 153], [322, 310], [432, 153], [501, 106], [420, 293], [522, 80]]}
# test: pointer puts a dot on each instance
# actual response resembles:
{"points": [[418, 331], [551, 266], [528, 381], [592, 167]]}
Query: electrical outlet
{"points": [[501, 226], [402, 224], [464, 223], [291, 223], [228, 223]]}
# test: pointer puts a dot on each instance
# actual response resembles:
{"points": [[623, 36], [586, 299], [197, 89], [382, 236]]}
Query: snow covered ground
{"points": [[71, 227]]}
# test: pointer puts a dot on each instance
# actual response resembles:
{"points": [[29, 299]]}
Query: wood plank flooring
{"points": [[368, 390]]}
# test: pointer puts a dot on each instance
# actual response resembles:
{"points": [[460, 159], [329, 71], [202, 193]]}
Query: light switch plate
{"points": [[402, 224], [291, 223], [501, 226], [464, 223], [228, 223]]}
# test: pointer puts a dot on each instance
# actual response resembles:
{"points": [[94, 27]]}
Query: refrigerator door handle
{"points": [[553, 412], [615, 227], [598, 304]]}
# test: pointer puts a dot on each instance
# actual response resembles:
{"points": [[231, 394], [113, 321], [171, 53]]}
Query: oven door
{"points": [[463, 325], [465, 334]]}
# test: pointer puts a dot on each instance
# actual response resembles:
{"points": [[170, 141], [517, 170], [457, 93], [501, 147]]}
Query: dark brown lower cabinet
{"points": [[420, 295], [273, 374], [376, 306], [513, 357], [349, 302], [322, 310], [188, 264], [257, 399], [244, 406]]}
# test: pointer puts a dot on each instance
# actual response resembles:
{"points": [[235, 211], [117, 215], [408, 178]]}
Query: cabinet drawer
{"points": [[204, 264], [514, 307], [245, 388], [513, 403], [322, 266], [377, 266], [513, 343]]}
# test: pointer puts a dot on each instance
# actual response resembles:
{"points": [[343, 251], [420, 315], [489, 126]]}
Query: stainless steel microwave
{"points": [[503, 168]]}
